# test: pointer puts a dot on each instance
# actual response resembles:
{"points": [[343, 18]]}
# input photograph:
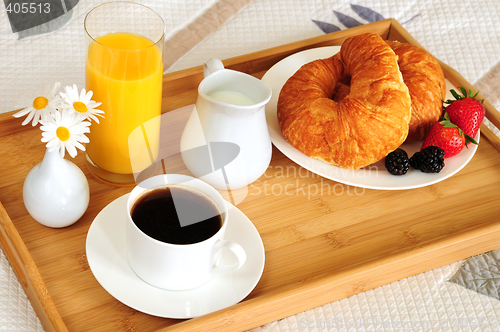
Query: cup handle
{"points": [[211, 66], [236, 249]]}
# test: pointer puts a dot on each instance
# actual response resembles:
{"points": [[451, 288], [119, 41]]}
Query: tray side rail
{"points": [[28, 275]]}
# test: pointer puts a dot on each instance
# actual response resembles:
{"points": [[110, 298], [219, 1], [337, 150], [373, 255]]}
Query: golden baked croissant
{"points": [[424, 78], [362, 128]]}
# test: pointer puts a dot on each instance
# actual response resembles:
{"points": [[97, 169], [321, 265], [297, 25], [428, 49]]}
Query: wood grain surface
{"points": [[324, 240]]}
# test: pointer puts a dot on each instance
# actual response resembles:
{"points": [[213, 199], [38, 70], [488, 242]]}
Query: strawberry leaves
{"points": [[462, 96], [448, 124], [468, 140]]}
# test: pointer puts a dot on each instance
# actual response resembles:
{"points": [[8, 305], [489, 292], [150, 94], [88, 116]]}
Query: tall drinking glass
{"points": [[124, 69]]}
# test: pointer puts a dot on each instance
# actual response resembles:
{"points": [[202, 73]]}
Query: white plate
{"points": [[108, 262], [374, 176]]}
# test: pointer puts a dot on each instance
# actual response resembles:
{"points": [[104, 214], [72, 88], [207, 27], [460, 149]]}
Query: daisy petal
{"points": [[29, 117], [82, 95], [83, 139], [36, 117], [88, 96], [22, 112], [51, 148], [79, 145], [71, 149], [53, 91], [94, 118], [61, 150], [52, 142]]}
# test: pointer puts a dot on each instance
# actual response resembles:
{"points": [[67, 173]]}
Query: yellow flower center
{"points": [[40, 103], [62, 133], [80, 107]]}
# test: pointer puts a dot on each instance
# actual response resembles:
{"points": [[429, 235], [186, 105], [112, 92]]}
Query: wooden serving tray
{"points": [[318, 250]]}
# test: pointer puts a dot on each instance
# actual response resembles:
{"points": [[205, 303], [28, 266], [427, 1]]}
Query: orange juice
{"points": [[125, 73]]}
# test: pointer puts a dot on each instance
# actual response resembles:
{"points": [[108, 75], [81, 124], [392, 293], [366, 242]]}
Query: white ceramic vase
{"points": [[56, 192]]}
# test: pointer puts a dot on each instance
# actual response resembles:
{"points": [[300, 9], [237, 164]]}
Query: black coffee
{"points": [[176, 215]]}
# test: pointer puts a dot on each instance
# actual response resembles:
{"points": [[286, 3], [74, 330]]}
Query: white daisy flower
{"points": [[42, 107], [65, 132], [80, 104]]}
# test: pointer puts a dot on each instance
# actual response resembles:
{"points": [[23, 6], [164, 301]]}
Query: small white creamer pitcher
{"points": [[226, 141]]}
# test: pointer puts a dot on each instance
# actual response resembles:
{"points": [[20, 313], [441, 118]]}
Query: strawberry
{"points": [[466, 111], [447, 136]]}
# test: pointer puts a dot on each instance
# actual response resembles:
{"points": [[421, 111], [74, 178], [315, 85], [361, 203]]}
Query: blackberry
{"points": [[429, 160], [397, 162]]}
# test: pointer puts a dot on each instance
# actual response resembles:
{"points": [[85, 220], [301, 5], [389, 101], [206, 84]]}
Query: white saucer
{"points": [[108, 262], [374, 176]]}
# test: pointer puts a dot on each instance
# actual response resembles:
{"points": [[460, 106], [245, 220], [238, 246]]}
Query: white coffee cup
{"points": [[179, 266]]}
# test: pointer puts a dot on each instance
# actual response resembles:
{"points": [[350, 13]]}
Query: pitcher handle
{"points": [[211, 66]]}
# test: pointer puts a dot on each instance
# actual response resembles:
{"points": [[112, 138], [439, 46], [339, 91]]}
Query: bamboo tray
{"points": [[318, 250]]}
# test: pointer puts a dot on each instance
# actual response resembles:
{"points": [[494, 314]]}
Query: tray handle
{"points": [[28, 275]]}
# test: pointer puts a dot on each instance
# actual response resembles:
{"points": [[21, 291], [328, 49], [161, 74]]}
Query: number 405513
{"points": [[26, 7]]}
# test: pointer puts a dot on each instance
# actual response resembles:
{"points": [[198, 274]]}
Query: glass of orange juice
{"points": [[124, 69]]}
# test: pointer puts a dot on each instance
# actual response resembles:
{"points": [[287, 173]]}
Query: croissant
{"points": [[424, 78], [362, 128]]}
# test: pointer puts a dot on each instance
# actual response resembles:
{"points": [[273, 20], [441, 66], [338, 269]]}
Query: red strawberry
{"points": [[466, 112], [446, 136]]}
